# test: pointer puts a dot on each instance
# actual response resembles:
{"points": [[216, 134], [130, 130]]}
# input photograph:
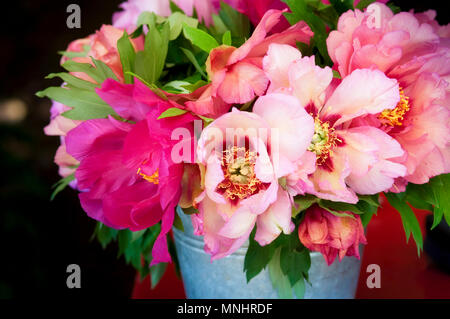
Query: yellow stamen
{"points": [[395, 116], [240, 179], [154, 178], [323, 141]]}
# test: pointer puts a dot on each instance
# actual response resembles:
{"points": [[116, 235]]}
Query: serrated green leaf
{"points": [[86, 68], [299, 289], [149, 63], [85, 104], [156, 273], [194, 62], [256, 258], [364, 4], [124, 239], [61, 184], [73, 81], [280, 281], [409, 220], [105, 234], [173, 111], [301, 12], [200, 38], [238, 24], [104, 70], [127, 56], [176, 21], [71, 55], [294, 263]]}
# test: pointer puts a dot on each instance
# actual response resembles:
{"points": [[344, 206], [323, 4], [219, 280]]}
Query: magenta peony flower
{"points": [[236, 73], [414, 50], [127, 175], [245, 155], [348, 160], [255, 10], [331, 235]]}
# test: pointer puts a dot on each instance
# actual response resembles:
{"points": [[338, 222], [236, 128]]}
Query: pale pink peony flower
{"points": [[127, 18], [131, 9], [331, 235], [245, 155], [348, 160], [60, 126], [236, 73], [414, 50]]}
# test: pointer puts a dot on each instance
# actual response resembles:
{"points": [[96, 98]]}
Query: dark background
{"points": [[40, 238]]}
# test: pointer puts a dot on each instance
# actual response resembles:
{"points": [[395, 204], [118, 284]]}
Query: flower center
{"points": [[240, 182], [323, 141], [395, 116], [154, 178]]}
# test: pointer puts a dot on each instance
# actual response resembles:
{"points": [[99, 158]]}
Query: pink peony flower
{"points": [[245, 155], [103, 47], [331, 235], [127, 18], [348, 160], [414, 50], [131, 9], [60, 126], [236, 73], [127, 175]]}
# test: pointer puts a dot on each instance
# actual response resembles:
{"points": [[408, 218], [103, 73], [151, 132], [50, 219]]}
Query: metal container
{"points": [[225, 278]]}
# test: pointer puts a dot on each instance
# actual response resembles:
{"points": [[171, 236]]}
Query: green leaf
{"points": [[302, 203], [409, 220], [336, 74], [342, 6], [176, 21], [85, 105], [364, 4], [178, 223], [226, 38], [105, 234], [152, 87], [124, 239], [200, 38], [301, 12], [104, 70], [127, 56], [149, 63], [61, 184], [86, 68], [156, 273], [173, 111], [294, 263], [238, 24], [256, 258], [73, 81], [441, 190], [71, 55], [194, 61], [280, 282], [299, 289]]}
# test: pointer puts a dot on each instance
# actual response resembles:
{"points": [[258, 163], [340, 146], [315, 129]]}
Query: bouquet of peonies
{"points": [[277, 123]]}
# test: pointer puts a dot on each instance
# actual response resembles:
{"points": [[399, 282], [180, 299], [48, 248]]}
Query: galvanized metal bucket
{"points": [[225, 278]]}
